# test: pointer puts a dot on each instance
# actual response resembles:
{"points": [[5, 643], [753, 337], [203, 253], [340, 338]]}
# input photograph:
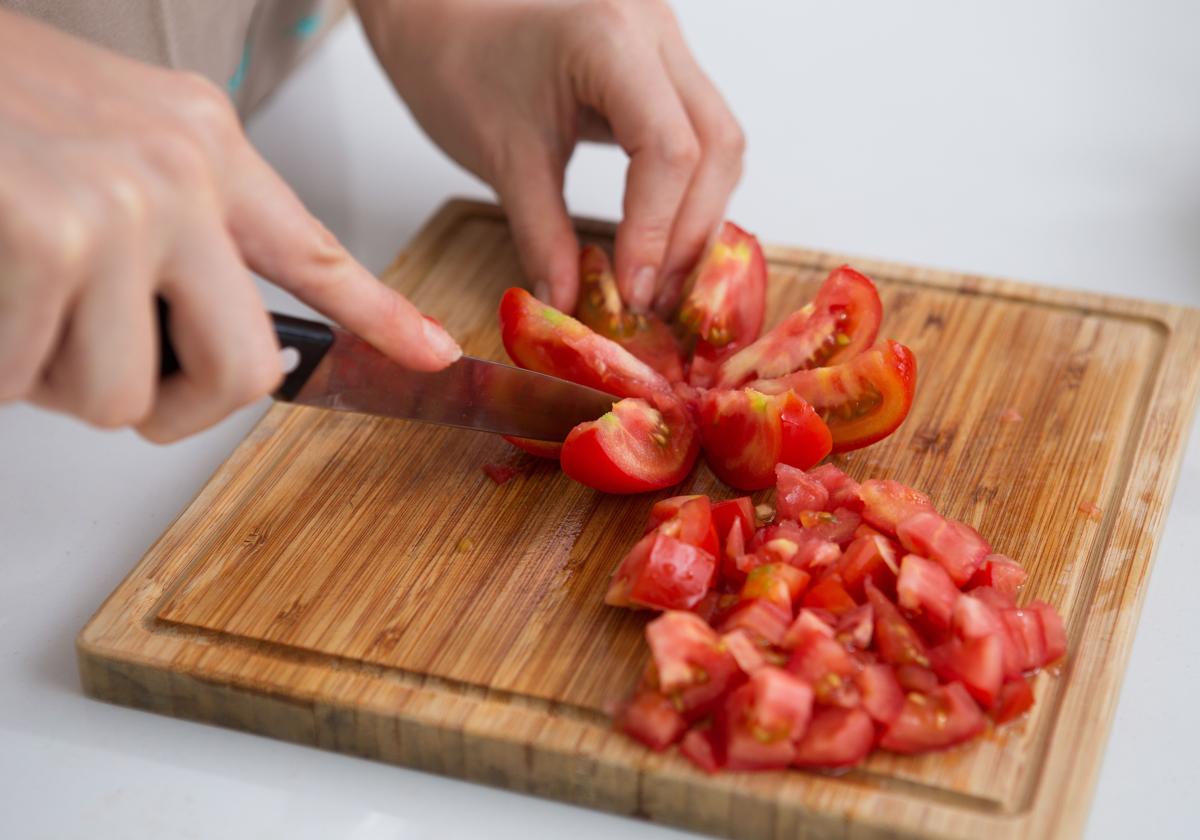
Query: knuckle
{"points": [[57, 243], [679, 150], [729, 140], [251, 378], [205, 107], [176, 155]]}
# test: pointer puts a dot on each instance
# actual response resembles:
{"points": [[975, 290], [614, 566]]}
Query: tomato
{"points": [[955, 545], [687, 519], [692, 665], [856, 628], [925, 587], [1054, 634], [745, 434], [994, 598], [916, 678], [975, 618], [697, 747], [869, 558], [808, 623], [1014, 700], [500, 473], [839, 324], [887, 502], [796, 492], [600, 308], [634, 448], [977, 663], [942, 718], [999, 572], [842, 489], [539, 337], [837, 526], [835, 738], [745, 652], [765, 620], [706, 359], [1025, 628], [551, 449], [862, 400], [882, 696], [830, 594], [827, 666], [777, 582], [725, 297], [895, 639], [662, 573], [785, 542], [652, 719], [739, 512], [739, 744]]}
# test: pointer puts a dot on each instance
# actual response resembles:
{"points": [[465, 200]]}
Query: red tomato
{"points": [[662, 573], [862, 400], [808, 623], [687, 519], [835, 738], [539, 337], [887, 502], [765, 620], [856, 628], [895, 639], [777, 582], [745, 652], [781, 706], [916, 678], [600, 307], [692, 666], [870, 558], [837, 526], [725, 296], [745, 434], [706, 359], [829, 594], [827, 666], [925, 587], [796, 492], [738, 745], [999, 572], [785, 542], [942, 718], [975, 618], [994, 598], [842, 489], [737, 512], [1025, 628], [697, 747], [977, 663], [1054, 634], [1015, 699], [652, 719], [955, 545], [540, 448], [634, 448], [882, 696], [839, 324]]}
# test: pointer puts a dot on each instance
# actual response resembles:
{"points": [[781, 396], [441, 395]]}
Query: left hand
{"points": [[508, 88]]}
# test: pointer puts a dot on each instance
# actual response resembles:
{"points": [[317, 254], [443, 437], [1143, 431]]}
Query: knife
{"points": [[329, 367]]}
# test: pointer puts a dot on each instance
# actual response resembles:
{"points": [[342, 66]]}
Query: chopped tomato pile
{"points": [[860, 618], [706, 380]]}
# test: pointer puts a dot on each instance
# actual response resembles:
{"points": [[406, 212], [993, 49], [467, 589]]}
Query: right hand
{"points": [[121, 182]]}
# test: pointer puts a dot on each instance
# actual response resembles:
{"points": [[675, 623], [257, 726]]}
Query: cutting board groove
{"points": [[358, 584]]}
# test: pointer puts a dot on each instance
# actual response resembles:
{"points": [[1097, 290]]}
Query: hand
{"points": [[508, 88], [120, 182]]}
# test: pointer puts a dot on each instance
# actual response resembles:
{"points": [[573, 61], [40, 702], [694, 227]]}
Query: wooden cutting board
{"points": [[359, 584]]}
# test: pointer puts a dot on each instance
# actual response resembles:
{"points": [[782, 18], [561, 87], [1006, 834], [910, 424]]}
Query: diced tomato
{"points": [[916, 678], [882, 696], [887, 502], [836, 526], [652, 719], [942, 718], [600, 307], [539, 337], [662, 573], [829, 594], [796, 491], [745, 652], [788, 543], [856, 628], [1014, 700], [1025, 628], [501, 473], [994, 598], [708, 606], [1054, 634], [839, 324], [776, 582], [765, 620], [725, 297], [835, 738], [745, 434], [843, 490], [548, 449], [895, 639], [975, 618], [692, 665], [827, 666], [999, 572], [697, 747], [977, 663], [862, 400], [865, 530], [925, 587], [870, 558], [808, 622], [955, 545], [687, 519], [782, 704], [636, 447], [739, 512], [738, 744]]}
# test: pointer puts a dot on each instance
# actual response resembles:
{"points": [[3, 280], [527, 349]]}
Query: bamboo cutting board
{"points": [[359, 584]]}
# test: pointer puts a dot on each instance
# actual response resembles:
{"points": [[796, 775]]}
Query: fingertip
{"points": [[442, 346]]}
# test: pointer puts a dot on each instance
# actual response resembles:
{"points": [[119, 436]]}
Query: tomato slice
{"points": [[662, 573], [887, 502], [539, 337], [862, 400], [882, 696], [540, 448], [653, 719], [942, 718], [843, 490], [797, 492], [869, 558], [777, 582], [600, 307], [835, 738], [745, 434], [725, 297], [955, 545], [977, 663], [895, 639], [925, 587], [636, 447], [839, 324]]}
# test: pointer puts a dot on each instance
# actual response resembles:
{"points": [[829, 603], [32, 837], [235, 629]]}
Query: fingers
{"points": [[530, 188], [221, 334], [281, 241], [29, 325]]}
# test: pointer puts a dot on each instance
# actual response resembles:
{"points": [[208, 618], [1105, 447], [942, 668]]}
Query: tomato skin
{"points": [[835, 738], [635, 448], [895, 639], [870, 558], [925, 587], [882, 696], [862, 400], [540, 448], [652, 719], [1025, 628], [662, 573], [942, 718], [725, 297], [796, 492], [955, 545], [688, 519], [847, 304], [886, 503], [999, 572], [977, 663], [745, 434], [539, 337]]}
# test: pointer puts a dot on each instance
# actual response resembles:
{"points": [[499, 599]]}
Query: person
{"points": [[125, 176]]}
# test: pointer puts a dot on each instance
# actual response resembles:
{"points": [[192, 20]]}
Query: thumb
{"points": [[280, 240]]}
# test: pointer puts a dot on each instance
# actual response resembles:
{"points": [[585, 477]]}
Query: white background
{"points": [[1052, 142]]}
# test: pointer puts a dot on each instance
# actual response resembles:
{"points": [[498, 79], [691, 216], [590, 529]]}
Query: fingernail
{"points": [[541, 291], [443, 346], [642, 288]]}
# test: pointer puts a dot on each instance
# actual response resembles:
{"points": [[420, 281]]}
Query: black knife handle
{"points": [[311, 339]]}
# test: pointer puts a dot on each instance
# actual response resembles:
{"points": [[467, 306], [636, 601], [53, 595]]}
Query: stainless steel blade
{"points": [[470, 394]]}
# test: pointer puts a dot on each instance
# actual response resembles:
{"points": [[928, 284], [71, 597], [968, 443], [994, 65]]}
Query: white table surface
{"points": [[1058, 143]]}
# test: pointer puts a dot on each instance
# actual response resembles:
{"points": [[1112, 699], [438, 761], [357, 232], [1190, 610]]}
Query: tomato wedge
{"points": [[725, 297], [636, 447], [745, 434], [839, 324], [600, 307], [862, 400], [539, 337]]}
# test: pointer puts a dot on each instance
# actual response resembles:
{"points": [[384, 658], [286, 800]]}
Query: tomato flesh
{"points": [[887, 502], [882, 696], [541, 448], [1014, 700], [895, 639], [977, 663], [725, 297], [835, 738], [842, 489], [796, 492], [697, 747], [999, 572], [662, 573], [869, 558], [777, 582], [652, 719], [925, 587], [942, 718], [955, 545], [829, 594], [826, 665], [688, 519]]}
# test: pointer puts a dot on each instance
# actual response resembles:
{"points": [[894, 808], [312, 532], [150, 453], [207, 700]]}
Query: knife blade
{"points": [[332, 368]]}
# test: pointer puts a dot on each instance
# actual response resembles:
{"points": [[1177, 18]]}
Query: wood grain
{"points": [[358, 583]]}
